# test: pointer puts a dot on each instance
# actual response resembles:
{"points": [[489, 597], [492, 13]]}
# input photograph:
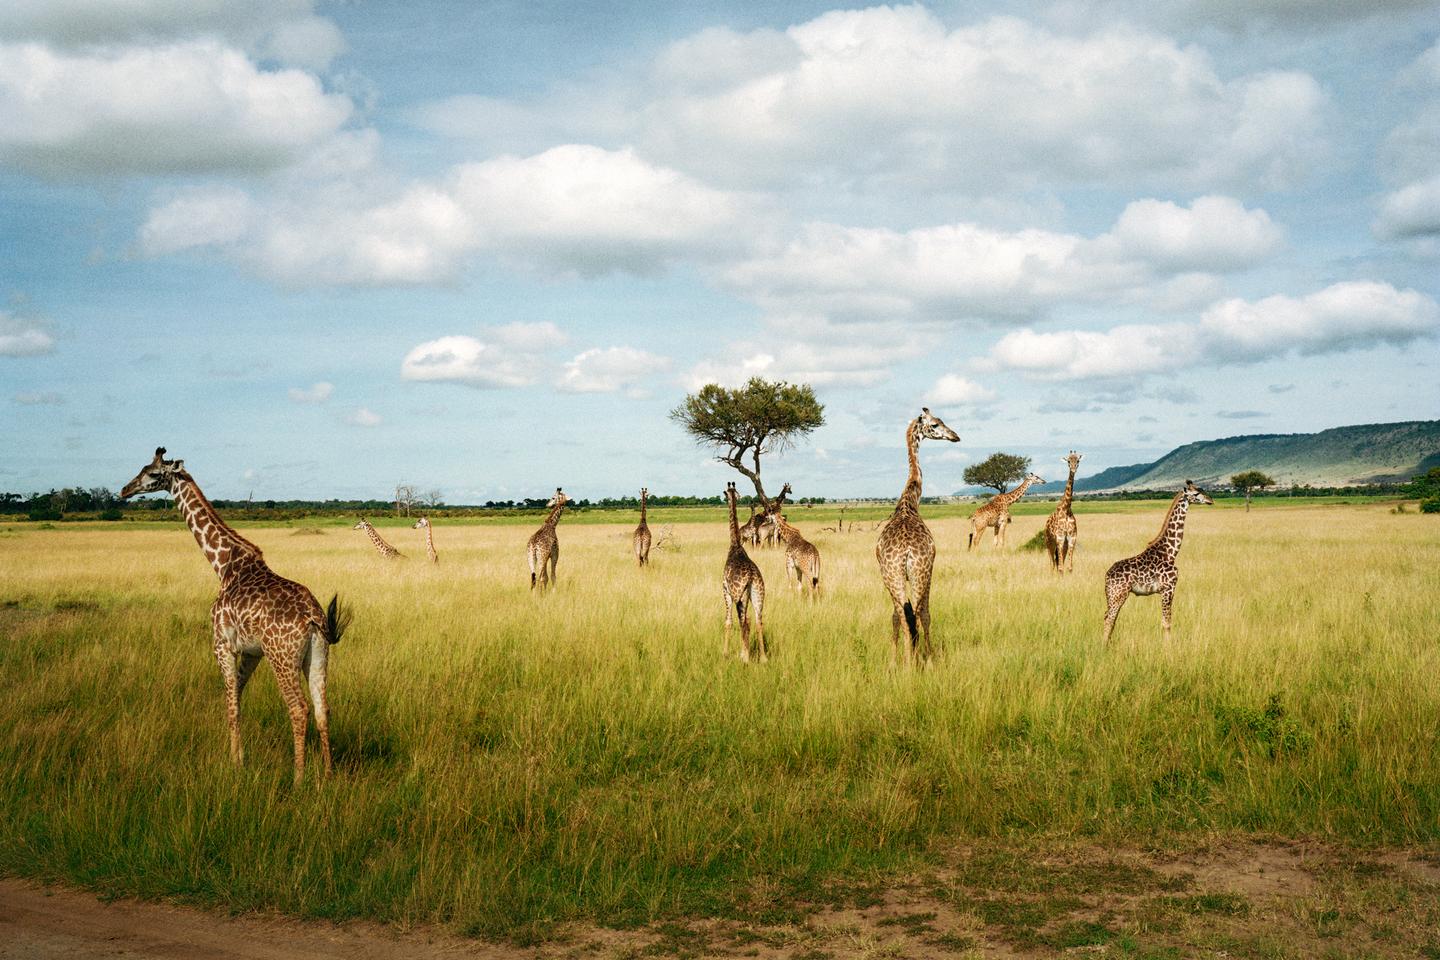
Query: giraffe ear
{"points": [[179, 464], [159, 454]]}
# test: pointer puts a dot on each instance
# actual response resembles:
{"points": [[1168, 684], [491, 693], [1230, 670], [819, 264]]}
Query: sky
{"points": [[318, 249]]}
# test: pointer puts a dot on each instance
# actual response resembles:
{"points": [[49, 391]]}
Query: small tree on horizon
{"points": [[760, 418], [998, 470], [1249, 481]]}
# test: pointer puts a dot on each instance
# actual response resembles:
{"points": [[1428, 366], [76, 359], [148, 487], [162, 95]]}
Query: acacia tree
{"points": [[998, 470], [755, 420], [1249, 481]]}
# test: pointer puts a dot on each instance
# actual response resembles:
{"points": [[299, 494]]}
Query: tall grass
{"points": [[507, 760]]}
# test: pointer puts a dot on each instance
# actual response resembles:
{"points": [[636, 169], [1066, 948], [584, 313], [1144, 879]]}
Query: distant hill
{"points": [[1366, 453]]}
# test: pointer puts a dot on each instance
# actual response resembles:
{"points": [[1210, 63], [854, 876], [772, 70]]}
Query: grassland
{"points": [[508, 762]]}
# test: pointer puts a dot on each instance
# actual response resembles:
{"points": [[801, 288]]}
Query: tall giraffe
{"points": [[257, 614], [995, 512], [386, 551], [1061, 530], [802, 558], [424, 524], [641, 539], [543, 550], [1153, 569], [742, 581], [906, 550]]}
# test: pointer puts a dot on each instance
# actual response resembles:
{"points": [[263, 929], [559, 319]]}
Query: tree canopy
{"points": [[752, 421], [1249, 481], [998, 470]]}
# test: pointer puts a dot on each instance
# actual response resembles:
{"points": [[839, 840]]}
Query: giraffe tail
{"points": [[337, 620], [910, 624]]}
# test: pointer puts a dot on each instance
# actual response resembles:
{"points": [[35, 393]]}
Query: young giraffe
{"points": [[995, 512], [543, 550], [1153, 569], [906, 550], [424, 524], [742, 581], [1061, 530], [750, 529], [802, 558], [386, 551], [641, 539], [257, 614]]}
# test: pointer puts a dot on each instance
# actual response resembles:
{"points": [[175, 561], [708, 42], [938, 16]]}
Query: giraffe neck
{"points": [[554, 517], [1010, 497], [910, 498], [375, 538], [1173, 530], [642, 508], [1069, 493], [734, 524], [221, 545], [430, 541]]}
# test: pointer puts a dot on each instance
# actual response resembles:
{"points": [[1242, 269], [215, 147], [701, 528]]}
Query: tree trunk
{"points": [[754, 476]]}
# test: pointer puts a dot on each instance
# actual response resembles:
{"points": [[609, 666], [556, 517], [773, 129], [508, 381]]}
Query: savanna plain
{"points": [[585, 774]]}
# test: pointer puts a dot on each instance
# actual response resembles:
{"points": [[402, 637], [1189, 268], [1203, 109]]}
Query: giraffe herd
{"points": [[260, 614]]}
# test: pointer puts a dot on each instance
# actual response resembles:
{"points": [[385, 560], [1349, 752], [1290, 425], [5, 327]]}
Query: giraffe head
{"points": [[559, 500], [421, 524], [1034, 478], [731, 497], [932, 427], [1194, 494], [1073, 460], [158, 474], [361, 525]]}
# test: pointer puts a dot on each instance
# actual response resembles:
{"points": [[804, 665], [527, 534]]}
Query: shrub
{"points": [[111, 513], [45, 513], [1430, 506]]}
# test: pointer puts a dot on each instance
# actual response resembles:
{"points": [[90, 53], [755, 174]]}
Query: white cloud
{"points": [[23, 338], [612, 370], [963, 271], [954, 390], [509, 356], [1343, 316], [364, 417], [316, 393], [1411, 211], [889, 96], [182, 108], [571, 209]]}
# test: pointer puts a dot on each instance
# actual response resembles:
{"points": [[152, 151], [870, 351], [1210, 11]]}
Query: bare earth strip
{"points": [[1230, 898]]}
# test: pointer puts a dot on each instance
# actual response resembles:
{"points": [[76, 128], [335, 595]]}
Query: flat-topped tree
{"points": [[998, 471], [1249, 481], [760, 418]]}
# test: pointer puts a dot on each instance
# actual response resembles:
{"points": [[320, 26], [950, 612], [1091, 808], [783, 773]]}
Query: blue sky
{"points": [[318, 249]]}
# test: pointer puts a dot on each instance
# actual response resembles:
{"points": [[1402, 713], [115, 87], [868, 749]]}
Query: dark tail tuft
{"points": [[910, 624], [337, 620], [532, 581]]}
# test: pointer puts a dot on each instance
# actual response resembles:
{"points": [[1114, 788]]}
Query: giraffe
{"points": [[543, 550], [802, 558], [1153, 569], [424, 524], [995, 512], [750, 529], [256, 614], [906, 550], [1061, 530], [641, 539], [742, 581], [767, 531], [386, 551]]}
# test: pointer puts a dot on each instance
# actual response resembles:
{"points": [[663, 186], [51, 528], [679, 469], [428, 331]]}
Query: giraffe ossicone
{"points": [[257, 614]]}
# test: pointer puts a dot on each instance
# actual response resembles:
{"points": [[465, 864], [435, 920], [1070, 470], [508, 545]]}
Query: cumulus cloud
{"points": [[187, 107], [612, 370], [509, 356], [1411, 211], [316, 393], [954, 390], [1344, 316], [23, 338], [570, 209], [1410, 161], [961, 271], [891, 96]]}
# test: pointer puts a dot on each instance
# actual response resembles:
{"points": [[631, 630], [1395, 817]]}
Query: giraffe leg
{"points": [[288, 679], [1114, 600], [316, 668], [922, 613], [744, 617], [230, 674], [554, 563], [757, 600], [1166, 599], [530, 555], [1070, 555]]}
